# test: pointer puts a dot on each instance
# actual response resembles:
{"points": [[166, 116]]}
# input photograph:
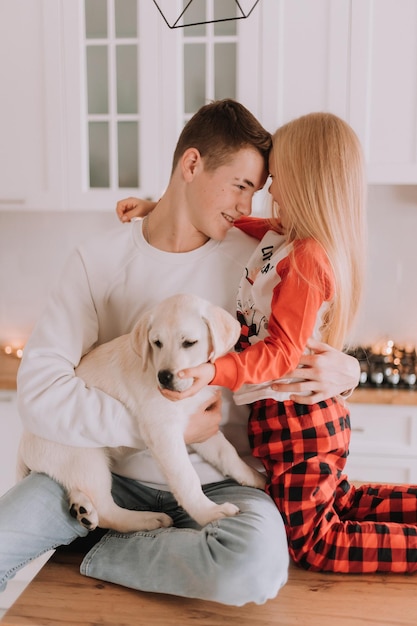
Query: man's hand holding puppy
{"points": [[205, 423]]}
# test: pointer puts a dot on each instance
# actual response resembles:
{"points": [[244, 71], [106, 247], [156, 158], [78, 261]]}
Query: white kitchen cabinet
{"points": [[303, 64], [178, 71], [31, 120], [355, 58], [383, 87], [10, 431], [383, 444], [44, 160], [89, 116], [289, 57]]}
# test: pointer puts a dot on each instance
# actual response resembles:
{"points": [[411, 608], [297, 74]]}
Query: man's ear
{"points": [[139, 338], [191, 163]]}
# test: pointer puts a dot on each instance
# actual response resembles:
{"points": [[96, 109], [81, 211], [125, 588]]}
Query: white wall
{"points": [[33, 247], [389, 309]]}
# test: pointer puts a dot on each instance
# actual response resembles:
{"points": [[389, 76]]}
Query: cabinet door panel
{"points": [[138, 103], [303, 61], [368, 468], [30, 106], [383, 98], [384, 429], [383, 443]]}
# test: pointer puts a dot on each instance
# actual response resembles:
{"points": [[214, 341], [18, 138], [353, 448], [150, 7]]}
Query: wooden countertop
{"points": [[8, 371], [9, 366], [367, 395], [59, 595]]}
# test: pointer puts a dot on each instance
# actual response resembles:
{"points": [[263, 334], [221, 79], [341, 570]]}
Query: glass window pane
{"points": [[195, 13], [98, 133], [194, 77], [125, 18], [225, 70], [127, 79], [128, 142], [97, 81], [225, 9], [95, 19]]}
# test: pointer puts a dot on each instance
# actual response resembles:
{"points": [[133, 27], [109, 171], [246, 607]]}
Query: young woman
{"points": [[309, 283]]}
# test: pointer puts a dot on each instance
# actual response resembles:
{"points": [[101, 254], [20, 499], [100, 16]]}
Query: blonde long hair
{"points": [[320, 174]]}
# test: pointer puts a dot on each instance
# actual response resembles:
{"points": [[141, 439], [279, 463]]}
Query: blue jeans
{"points": [[233, 561]]}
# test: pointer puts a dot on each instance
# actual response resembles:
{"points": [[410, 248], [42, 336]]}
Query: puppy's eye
{"points": [[188, 344], [157, 343]]}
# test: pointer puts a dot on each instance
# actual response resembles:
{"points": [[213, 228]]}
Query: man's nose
{"points": [[245, 206]]}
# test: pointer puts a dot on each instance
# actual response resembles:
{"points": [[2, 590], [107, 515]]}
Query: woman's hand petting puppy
{"points": [[203, 375]]}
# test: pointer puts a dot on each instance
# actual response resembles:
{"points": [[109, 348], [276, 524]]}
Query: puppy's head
{"points": [[182, 331]]}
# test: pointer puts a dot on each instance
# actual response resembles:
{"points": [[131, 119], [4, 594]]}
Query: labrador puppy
{"points": [[180, 332]]}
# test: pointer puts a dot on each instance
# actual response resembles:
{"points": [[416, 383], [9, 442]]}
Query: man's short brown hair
{"points": [[220, 129]]}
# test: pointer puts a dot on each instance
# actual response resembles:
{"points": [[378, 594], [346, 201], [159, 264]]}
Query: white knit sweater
{"points": [[105, 286]]}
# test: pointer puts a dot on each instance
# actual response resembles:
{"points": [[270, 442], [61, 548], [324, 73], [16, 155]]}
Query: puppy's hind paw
{"points": [[228, 509], [158, 520], [216, 512], [83, 510]]}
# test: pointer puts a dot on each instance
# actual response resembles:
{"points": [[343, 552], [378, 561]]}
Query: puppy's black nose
{"points": [[165, 378]]}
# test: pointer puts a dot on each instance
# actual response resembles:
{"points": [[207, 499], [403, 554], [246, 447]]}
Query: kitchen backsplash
{"points": [[34, 246], [33, 249]]}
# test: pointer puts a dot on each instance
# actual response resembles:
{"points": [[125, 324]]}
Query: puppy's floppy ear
{"points": [[139, 338], [224, 331]]}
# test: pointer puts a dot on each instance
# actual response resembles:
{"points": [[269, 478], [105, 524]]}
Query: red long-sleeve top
{"points": [[281, 301]]}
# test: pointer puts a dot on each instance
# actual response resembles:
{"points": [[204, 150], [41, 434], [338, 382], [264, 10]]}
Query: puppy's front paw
{"points": [[249, 476], [257, 480], [82, 509]]}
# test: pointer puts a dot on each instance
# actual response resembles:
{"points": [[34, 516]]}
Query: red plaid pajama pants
{"points": [[330, 524]]}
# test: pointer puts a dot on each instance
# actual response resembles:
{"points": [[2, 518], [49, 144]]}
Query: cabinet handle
{"points": [[6, 398], [358, 429]]}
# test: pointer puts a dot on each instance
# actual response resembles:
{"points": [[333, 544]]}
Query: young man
{"points": [[186, 244]]}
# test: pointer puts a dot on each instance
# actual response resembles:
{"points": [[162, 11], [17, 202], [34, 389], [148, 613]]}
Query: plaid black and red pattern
{"points": [[331, 525]]}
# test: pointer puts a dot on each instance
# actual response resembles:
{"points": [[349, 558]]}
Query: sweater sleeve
{"points": [[53, 402], [256, 227], [296, 301]]}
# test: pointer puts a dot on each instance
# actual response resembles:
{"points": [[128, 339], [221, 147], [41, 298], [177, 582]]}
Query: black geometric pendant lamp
{"points": [[243, 9]]}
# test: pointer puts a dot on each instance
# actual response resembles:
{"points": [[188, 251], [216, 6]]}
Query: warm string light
{"points": [[13, 351]]}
